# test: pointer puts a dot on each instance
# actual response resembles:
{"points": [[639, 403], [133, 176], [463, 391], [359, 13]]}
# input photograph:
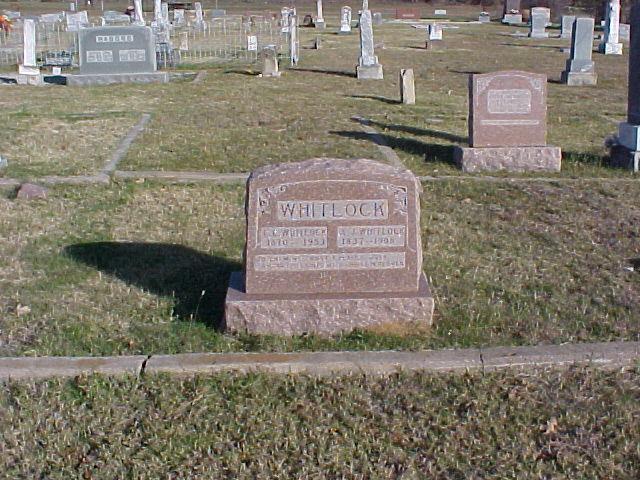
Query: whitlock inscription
{"points": [[293, 237], [371, 236], [329, 261], [511, 101], [295, 210]]}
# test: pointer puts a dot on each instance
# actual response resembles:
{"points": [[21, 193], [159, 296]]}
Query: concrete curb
{"points": [[125, 144], [182, 177], [601, 355]]}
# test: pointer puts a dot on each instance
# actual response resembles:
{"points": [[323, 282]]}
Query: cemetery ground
{"points": [[141, 267]]}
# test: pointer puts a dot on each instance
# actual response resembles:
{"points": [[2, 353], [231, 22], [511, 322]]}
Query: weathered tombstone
{"points": [[115, 18], [116, 54], [252, 43], [12, 15], [76, 21], [580, 69], [610, 44], [627, 153], [72, 7], [567, 26], [270, 62], [320, 16], [317, 44], [407, 87], [377, 18], [440, 13], [294, 51], [508, 124], [199, 14], [539, 19], [165, 13], [345, 20], [218, 13], [368, 67], [285, 13], [484, 17], [332, 245], [178, 17], [157, 11], [624, 32], [28, 66], [435, 32], [512, 19]]}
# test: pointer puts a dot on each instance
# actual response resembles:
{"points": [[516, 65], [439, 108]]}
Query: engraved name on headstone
{"points": [[507, 108], [117, 50]]}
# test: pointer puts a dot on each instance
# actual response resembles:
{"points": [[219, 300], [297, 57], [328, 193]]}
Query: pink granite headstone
{"points": [[331, 245]]}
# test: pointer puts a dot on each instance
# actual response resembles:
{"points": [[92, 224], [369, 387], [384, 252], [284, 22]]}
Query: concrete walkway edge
{"points": [[601, 355]]}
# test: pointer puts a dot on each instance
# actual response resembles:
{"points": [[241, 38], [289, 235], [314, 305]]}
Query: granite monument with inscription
{"points": [[610, 44], [116, 55], [508, 124], [331, 245], [580, 69]]}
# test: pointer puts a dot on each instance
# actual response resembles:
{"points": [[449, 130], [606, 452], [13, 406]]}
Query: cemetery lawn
{"points": [[142, 268], [234, 121], [577, 423]]}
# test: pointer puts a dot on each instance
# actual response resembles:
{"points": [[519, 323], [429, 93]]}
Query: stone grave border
{"points": [[606, 355]]}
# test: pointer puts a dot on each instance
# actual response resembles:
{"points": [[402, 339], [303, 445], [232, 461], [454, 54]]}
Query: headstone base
{"points": [[629, 136], [369, 72], [24, 70], [113, 78], [622, 157], [610, 48], [271, 74], [320, 25], [512, 159], [346, 31], [539, 35], [512, 19], [324, 314], [579, 79]]}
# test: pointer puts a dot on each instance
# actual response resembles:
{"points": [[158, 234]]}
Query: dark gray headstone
{"points": [[634, 67], [116, 50]]}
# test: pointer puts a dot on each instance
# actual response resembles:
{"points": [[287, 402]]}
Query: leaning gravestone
{"points": [[539, 20], [580, 68], [508, 124], [270, 62], [627, 154], [368, 67], [331, 245], [116, 55]]}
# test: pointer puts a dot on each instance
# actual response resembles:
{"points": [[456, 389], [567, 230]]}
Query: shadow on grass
{"points": [[432, 152], [240, 71], [197, 281], [392, 101], [466, 72], [451, 137], [340, 73]]}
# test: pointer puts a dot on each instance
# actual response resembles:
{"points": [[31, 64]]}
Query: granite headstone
{"points": [[580, 69], [331, 245]]}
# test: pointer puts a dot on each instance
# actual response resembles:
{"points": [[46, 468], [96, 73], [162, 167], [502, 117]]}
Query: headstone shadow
{"points": [[432, 152], [197, 281], [340, 73], [451, 137], [380, 98]]}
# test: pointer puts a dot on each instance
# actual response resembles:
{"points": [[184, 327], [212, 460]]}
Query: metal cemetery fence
{"points": [[219, 39]]}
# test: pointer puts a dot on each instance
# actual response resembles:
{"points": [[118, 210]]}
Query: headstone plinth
{"points": [[512, 19], [370, 72], [508, 124], [332, 245], [580, 69]]}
